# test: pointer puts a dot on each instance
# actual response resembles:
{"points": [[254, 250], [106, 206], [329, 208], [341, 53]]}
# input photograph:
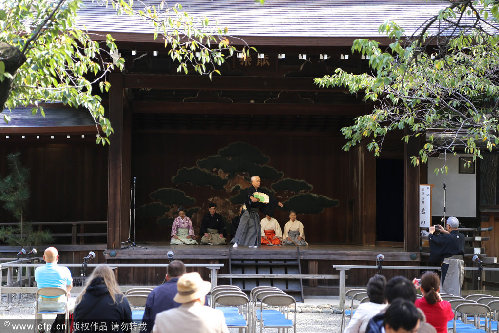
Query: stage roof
{"points": [[58, 119], [294, 22]]}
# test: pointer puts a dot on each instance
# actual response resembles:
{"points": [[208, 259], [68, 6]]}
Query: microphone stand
{"points": [[445, 205], [131, 243], [479, 276], [83, 271]]}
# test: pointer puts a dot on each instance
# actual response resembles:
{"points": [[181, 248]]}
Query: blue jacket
{"points": [[159, 300], [376, 323]]}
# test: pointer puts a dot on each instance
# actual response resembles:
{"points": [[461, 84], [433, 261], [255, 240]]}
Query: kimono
{"points": [[271, 231], [182, 227], [293, 230]]}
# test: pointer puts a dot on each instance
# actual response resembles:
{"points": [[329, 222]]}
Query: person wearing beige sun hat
{"points": [[192, 316]]}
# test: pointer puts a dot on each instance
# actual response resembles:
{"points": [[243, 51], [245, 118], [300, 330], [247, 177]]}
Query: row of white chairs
{"points": [[251, 312]]}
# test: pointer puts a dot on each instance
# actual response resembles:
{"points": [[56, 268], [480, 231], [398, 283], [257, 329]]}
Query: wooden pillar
{"points": [[366, 195], [411, 197], [119, 165], [492, 220]]}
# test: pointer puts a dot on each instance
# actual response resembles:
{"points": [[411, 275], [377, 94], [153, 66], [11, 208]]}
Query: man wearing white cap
{"points": [[447, 249], [192, 316]]}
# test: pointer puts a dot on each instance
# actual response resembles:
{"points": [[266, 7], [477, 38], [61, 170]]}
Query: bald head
{"points": [[51, 254], [255, 181]]}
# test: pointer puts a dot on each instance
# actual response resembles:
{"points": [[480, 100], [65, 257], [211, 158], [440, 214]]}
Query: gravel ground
{"points": [[312, 317]]}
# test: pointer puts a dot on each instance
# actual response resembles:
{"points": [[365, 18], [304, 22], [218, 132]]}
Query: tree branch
{"points": [[41, 26]]}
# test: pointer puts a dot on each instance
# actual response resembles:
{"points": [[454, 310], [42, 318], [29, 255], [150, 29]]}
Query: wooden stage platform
{"points": [[313, 259], [158, 251]]}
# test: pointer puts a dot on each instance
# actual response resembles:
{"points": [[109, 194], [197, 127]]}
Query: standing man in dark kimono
{"points": [[248, 232]]}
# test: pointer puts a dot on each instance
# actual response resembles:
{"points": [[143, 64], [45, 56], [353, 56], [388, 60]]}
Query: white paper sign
{"points": [[424, 206]]}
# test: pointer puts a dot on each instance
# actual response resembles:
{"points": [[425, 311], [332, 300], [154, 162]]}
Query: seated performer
{"points": [[293, 231], [270, 231], [213, 227], [182, 231]]}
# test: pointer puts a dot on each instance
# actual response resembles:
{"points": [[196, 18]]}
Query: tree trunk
{"points": [[13, 58]]}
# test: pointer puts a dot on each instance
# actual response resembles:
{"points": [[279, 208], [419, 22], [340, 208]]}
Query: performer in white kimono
{"points": [[271, 231], [293, 231], [182, 231]]}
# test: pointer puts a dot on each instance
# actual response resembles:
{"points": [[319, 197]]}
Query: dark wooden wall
{"points": [[318, 159], [68, 178]]}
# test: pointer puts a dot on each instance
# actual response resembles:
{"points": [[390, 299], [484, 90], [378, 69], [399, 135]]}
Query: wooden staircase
{"points": [[282, 273]]}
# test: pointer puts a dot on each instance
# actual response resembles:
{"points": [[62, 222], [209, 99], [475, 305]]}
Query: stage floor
{"points": [[158, 251]]}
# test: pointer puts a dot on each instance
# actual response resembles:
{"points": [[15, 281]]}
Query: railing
{"points": [[344, 268], [14, 287], [75, 234]]}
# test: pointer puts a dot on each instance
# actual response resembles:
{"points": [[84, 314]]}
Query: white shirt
{"points": [[271, 224], [362, 315], [293, 226], [190, 318]]}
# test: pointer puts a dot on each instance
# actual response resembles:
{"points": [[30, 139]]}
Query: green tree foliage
{"points": [[440, 86], [14, 192], [45, 57], [14, 189]]}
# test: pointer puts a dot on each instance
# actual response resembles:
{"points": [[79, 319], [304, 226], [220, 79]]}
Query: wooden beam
{"points": [[118, 165], [411, 197], [246, 40], [162, 107], [215, 132], [233, 83], [49, 130]]}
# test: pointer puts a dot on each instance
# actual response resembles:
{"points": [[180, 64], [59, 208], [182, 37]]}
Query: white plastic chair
{"points": [[47, 302]]}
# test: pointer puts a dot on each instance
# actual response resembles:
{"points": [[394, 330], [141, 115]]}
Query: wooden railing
{"points": [[76, 231]]}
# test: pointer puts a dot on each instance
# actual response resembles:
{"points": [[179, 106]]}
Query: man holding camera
{"points": [[447, 249]]}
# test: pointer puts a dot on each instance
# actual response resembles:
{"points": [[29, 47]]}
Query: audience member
{"points": [[399, 287], [437, 311], [101, 306], [365, 311], [161, 298], [293, 231], [447, 249], [182, 230], [401, 317], [271, 231], [192, 316], [53, 275]]}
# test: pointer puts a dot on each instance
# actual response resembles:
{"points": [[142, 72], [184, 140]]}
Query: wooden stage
{"points": [[313, 259], [158, 251]]}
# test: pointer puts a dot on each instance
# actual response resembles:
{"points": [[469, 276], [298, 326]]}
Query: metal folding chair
{"points": [[237, 301], [474, 297], [476, 310], [141, 290], [348, 295], [283, 302], [47, 302]]}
